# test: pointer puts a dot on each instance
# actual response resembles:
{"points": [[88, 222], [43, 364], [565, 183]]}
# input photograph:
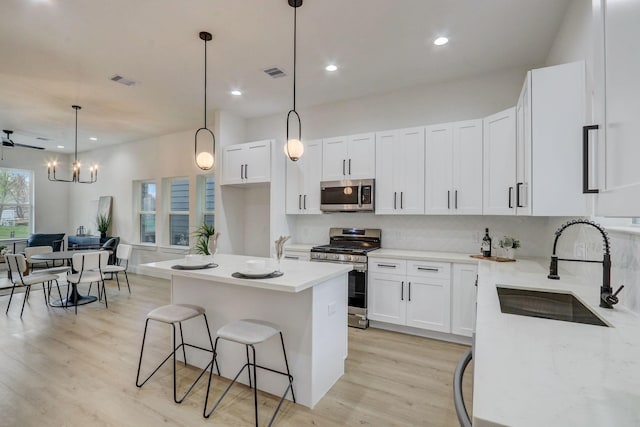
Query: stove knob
{"points": [[335, 257], [348, 258], [322, 256]]}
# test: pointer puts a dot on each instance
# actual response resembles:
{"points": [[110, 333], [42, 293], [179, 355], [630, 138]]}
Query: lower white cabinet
{"points": [[410, 293], [463, 299]]}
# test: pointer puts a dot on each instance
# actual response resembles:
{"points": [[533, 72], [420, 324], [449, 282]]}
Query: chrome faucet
{"points": [[607, 297]]}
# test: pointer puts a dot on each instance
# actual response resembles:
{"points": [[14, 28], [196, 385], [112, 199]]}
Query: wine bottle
{"points": [[486, 244]]}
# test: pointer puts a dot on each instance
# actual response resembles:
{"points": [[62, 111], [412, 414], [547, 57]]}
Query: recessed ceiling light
{"points": [[331, 67], [60, 146], [441, 41], [236, 92], [93, 138]]}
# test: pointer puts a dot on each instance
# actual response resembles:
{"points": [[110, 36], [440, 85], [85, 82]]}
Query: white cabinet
{"points": [[246, 163], [410, 293], [463, 299], [349, 157], [454, 168], [499, 171], [400, 171], [296, 255], [617, 108], [303, 181]]}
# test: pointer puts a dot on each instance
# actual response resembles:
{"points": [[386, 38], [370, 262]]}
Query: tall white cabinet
{"points": [[303, 180], [400, 171], [616, 109], [499, 163], [454, 168], [349, 157]]}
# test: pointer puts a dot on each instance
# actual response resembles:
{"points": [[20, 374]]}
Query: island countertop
{"points": [[298, 275]]}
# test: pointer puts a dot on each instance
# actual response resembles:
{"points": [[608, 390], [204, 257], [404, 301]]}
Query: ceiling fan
{"points": [[7, 142]]}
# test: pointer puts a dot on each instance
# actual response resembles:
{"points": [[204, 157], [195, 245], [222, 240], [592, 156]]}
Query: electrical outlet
{"points": [[580, 250], [332, 308]]}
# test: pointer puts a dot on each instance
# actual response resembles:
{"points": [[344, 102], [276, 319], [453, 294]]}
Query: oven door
{"points": [[357, 310], [347, 196]]}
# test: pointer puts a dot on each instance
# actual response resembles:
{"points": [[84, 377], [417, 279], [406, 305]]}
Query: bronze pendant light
{"points": [[294, 148], [75, 173], [205, 159]]}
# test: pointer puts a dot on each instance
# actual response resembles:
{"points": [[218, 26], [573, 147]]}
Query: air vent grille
{"points": [[274, 72], [123, 80]]}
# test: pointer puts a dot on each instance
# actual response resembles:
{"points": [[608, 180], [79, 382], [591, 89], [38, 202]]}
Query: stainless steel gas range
{"points": [[350, 246]]}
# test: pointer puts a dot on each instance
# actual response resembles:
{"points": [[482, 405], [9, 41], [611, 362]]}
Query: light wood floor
{"points": [[59, 369]]}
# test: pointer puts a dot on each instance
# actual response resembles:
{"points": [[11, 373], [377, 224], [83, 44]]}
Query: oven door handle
{"points": [[359, 192]]}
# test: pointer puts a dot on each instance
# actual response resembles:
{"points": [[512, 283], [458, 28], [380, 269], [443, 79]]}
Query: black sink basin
{"points": [[546, 305]]}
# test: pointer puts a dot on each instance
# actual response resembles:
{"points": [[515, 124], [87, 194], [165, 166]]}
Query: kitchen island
{"points": [[530, 371], [309, 302]]}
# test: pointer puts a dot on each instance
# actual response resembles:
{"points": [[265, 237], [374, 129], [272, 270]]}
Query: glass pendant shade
{"points": [[294, 149], [204, 160]]}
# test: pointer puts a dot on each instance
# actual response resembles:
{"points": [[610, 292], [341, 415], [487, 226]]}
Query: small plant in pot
{"points": [[103, 222], [203, 233], [509, 245]]}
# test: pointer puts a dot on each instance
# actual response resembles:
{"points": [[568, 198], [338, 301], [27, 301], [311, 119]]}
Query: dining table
{"points": [[74, 298]]}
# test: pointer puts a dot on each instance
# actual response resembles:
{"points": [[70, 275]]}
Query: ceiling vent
{"points": [[274, 72], [123, 80]]}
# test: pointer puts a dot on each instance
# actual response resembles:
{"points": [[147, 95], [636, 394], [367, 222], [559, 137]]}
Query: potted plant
{"points": [[509, 245], [103, 222], [203, 233]]}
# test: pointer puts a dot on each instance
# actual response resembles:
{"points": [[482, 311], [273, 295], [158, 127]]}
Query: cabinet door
{"points": [[523, 149], [233, 164], [295, 185], [439, 169], [361, 161], [386, 192], [312, 175], [386, 298], [409, 171], [258, 161], [463, 299], [334, 159], [619, 151], [499, 163], [467, 168], [428, 303]]}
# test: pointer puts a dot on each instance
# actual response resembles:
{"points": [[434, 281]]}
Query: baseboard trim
{"points": [[458, 339]]}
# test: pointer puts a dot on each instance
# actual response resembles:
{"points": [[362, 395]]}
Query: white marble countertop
{"points": [[423, 255], [539, 372], [298, 275]]}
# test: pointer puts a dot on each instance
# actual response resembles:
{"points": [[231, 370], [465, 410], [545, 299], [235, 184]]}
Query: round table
{"points": [[75, 298]]}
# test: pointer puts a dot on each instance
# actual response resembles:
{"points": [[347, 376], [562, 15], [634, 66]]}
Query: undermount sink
{"points": [[546, 305]]}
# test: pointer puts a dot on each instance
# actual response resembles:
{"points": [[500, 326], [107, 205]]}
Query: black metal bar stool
{"points": [[250, 332], [172, 314]]}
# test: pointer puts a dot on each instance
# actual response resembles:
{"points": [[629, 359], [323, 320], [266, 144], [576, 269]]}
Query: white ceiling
{"points": [[56, 53]]}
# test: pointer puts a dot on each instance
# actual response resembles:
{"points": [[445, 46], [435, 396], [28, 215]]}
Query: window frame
{"points": [[138, 185], [201, 198], [168, 212], [29, 206]]}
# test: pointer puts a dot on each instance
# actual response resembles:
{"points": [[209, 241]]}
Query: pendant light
{"points": [[294, 148], [205, 159], [75, 173]]}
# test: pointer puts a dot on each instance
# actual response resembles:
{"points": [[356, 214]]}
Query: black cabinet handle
{"points": [[510, 191], [343, 169], [299, 201], [409, 291], [349, 166], [246, 171], [241, 171], [428, 269], [395, 194], [585, 160], [518, 186], [456, 199], [304, 202], [401, 197], [402, 291], [448, 199], [387, 265], [291, 257]]}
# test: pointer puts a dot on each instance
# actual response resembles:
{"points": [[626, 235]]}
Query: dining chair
{"points": [[123, 253], [17, 266], [87, 268]]}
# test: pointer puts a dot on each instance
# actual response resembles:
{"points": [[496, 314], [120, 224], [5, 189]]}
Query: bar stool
{"points": [[172, 314], [250, 332]]}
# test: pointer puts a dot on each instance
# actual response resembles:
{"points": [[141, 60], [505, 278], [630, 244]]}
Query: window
{"points": [[16, 203], [179, 211], [208, 188], [147, 212]]}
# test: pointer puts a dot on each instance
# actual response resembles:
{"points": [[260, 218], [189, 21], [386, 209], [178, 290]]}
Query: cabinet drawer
{"points": [[387, 266], [296, 255], [439, 270]]}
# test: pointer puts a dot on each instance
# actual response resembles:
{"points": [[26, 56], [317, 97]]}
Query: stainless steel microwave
{"points": [[347, 195]]}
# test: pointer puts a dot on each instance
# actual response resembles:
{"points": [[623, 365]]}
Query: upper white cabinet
{"points": [[349, 157], [499, 174], [400, 171], [246, 163], [616, 109], [303, 181], [454, 168]]}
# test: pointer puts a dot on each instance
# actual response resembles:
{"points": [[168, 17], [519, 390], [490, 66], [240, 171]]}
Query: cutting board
{"points": [[493, 258]]}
